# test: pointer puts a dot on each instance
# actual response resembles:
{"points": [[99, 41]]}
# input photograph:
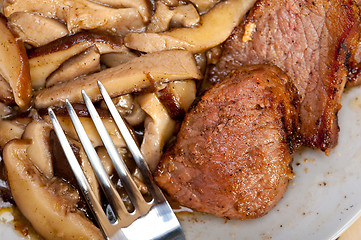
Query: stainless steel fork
{"points": [[149, 220]]}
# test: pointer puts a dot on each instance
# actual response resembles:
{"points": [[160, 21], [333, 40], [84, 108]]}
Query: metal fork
{"points": [[149, 220]]}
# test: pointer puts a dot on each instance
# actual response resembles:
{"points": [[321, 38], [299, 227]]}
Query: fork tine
{"points": [[154, 220], [109, 190], [132, 145], [122, 170], [161, 215], [79, 175]]}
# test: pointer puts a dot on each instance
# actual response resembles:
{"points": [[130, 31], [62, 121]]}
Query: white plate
{"points": [[321, 202]]}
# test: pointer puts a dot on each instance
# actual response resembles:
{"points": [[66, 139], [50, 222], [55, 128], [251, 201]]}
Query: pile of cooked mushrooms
{"points": [[150, 56]]}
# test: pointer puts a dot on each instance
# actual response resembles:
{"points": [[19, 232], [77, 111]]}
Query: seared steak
{"points": [[232, 155], [310, 40]]}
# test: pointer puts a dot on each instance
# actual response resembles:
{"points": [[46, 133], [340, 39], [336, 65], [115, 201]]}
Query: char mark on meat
{"points": [[312, 41], [232, 155]]}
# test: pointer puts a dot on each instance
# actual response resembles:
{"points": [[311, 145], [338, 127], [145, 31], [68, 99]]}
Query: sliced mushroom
{"points": [[115, 59], [47, 9], [159, 128], [85, 15], [185, 16], [90, 129], [12, 129], [161, 19], [124, 104], [82, 64], [87, 169], [62, 169], [38, 131], [215, 26], [172, 3], [2, 7], [167, 98], [14, 65], [104, 42], [46, 59], [177, 97], [6, 94], [144, 6], [137, 177], [134, 76], [130, 109], [185, 92], [164, 17], [204, 5], [5, 110], [137, 116], [49, 204], [107, 162], [105, 159], [35, 29], [81, 14]]}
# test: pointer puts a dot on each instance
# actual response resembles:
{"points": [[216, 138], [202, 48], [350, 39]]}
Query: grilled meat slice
{"points": [[312, 41], [232, 155]]}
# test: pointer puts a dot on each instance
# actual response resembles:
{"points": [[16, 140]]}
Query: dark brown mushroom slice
{"points": [[177, 97], [46, 59], [84, 63], [104, 42], [168, 99], [80, 109]]}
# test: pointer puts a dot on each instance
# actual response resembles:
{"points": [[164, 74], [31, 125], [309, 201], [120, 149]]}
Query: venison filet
{"points": [[232, 155], [314, 42]]}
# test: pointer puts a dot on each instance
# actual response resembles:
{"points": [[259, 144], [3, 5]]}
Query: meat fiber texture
{"points": [[314, 42], [232, 155]]}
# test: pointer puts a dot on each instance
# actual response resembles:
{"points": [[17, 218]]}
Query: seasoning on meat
{"points": [[233, 152], [311, 41]]}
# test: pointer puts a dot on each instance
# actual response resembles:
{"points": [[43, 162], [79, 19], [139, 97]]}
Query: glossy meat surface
{"points": [[314, 42], [232, 155]]}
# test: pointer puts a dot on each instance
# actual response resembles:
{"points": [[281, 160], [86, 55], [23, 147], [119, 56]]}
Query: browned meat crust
{"points": [[310, 40], [232, 155]]}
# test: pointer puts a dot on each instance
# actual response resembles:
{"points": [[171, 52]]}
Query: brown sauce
{"points": [[20, 223]]}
